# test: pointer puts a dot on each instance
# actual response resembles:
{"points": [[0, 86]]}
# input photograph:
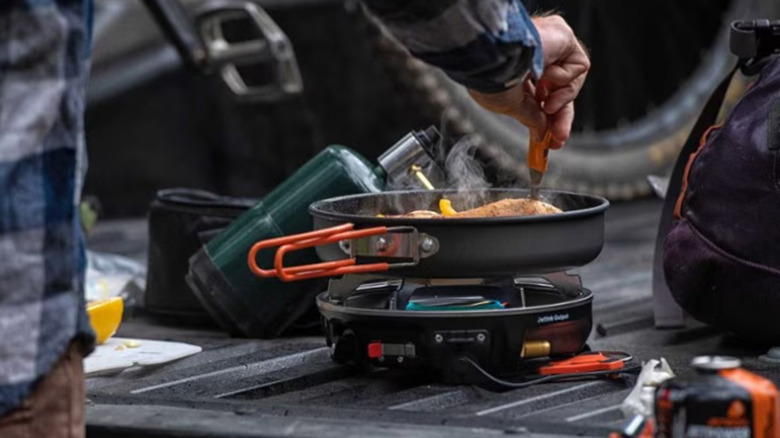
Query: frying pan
{"points": [[351, 237]]}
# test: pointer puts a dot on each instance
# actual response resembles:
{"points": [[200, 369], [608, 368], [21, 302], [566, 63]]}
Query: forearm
{"points": [[486, 45]]}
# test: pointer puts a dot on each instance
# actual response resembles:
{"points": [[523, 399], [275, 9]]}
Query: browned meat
{"points": [[423, 214], [511, 207]]}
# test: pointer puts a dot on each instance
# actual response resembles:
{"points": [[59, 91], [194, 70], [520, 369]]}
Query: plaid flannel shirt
{"points": [[486, 45], [44, 51]]}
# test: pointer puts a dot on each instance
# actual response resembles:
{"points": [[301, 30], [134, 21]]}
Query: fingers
{"points": [[559, 97], [566, 68], [518, 102], [566, 77], [551, 101], [560, 125], [506, 102], [529, 89], [531, 115], [569, 65]]}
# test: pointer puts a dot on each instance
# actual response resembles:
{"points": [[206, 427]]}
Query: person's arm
{"points": [[486, 45], [494, 48]]}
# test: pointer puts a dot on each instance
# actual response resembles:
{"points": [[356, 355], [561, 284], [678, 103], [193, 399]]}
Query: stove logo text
{"points": [[546, 319]]}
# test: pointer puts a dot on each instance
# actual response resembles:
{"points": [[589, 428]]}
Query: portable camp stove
{"points": [[436, 324], [450, 295]]}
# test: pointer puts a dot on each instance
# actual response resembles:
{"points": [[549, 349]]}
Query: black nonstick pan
{"points": [[354, 235]]}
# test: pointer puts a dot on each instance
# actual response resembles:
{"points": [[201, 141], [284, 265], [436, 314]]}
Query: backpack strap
{"points": [[667, 312]]}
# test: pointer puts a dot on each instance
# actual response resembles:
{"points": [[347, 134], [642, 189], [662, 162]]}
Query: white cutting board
{"points": [[114, 355]]}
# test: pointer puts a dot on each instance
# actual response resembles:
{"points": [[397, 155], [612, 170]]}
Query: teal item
{"points": [[479, 305], [248, 305]]}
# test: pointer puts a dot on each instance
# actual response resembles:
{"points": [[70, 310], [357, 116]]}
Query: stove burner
{"points": [[431, 323]]}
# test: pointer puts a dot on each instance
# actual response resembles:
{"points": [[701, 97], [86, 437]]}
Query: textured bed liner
{"points": [[290, 387]]}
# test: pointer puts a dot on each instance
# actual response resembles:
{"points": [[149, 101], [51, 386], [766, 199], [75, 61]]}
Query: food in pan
{"points": [[508, 207], [445, 205], [422, 214], [504, 207]]}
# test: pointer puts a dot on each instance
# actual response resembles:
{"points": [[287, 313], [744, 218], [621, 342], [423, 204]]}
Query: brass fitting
{"points": [[535, 349], [417, 171]]}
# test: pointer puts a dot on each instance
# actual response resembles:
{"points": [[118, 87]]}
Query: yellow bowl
{"points": [[105, 317]]}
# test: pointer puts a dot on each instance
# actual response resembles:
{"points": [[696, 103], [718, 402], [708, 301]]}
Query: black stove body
{"points": [[367, 322]]}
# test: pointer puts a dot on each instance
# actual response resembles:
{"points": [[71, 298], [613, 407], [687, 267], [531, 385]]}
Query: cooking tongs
{"points": [[537, 161]]}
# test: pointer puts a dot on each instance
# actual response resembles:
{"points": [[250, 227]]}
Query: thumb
{"points": [[531, 115]]}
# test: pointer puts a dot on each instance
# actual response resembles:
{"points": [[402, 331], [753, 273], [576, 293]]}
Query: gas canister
{"points": [[721, 401]]}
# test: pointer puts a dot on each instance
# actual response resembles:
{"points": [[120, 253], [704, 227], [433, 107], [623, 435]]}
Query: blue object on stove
{"points": [[453, 303]]}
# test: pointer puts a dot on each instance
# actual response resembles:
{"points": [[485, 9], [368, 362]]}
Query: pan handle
{"points": [[314, 238]]}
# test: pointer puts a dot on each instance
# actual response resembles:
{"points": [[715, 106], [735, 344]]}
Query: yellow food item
{"points": [[445, 205], [105, 317]]}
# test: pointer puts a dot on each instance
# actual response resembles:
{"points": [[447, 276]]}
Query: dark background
{"points": [[153, 124]]}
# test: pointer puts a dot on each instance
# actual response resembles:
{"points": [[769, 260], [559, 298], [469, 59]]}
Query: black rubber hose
{"points": [[631, 369]]}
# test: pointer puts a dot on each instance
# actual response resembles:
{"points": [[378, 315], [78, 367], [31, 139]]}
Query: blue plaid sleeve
{"points": [[44, 51], [486, 45]]}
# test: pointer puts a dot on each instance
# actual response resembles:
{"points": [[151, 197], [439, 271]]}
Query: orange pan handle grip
{"points": [[306, 240], [537, 152]]}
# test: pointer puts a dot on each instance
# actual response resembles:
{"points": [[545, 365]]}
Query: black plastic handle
{"points": [[177, 26], [751, 39]]}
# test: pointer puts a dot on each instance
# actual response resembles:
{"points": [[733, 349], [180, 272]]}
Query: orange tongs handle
{"points": [[538, 151], [314, 238]]}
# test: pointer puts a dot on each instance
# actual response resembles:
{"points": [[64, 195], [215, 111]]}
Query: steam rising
{"points": [[465, 173], [462, 173]]}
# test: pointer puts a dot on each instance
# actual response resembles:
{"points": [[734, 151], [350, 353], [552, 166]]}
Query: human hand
{"points": [[551, 100]]}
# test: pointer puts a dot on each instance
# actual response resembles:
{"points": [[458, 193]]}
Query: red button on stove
{"points": [[374, 350]]}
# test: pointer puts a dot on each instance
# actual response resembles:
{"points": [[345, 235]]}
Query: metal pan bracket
{"points": [[386, 247], [403, 242]]}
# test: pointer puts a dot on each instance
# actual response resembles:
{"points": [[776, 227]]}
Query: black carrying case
{"points": [[180, 222]]}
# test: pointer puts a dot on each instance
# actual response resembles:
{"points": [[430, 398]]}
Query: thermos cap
{"points": [[428, 138], [715, 363], [415, 147]]}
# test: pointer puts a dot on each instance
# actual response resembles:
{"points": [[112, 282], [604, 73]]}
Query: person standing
{"points": [[44, 54]]}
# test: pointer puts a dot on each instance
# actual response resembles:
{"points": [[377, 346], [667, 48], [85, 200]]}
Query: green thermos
{"points": [[247, 305]]}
